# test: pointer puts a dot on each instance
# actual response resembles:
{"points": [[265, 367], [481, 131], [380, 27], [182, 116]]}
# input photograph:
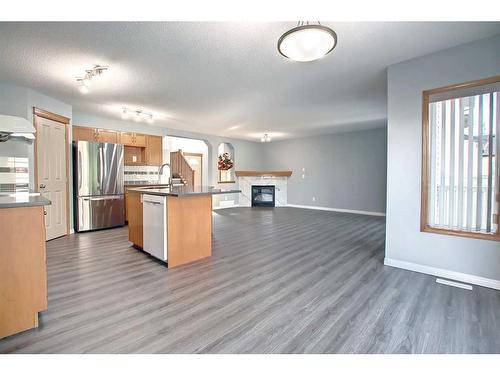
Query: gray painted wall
{"points": [[406, 81], [346, 170]]}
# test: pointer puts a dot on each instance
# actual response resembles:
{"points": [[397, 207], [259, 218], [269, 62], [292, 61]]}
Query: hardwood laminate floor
{"points": [[282, 280]]}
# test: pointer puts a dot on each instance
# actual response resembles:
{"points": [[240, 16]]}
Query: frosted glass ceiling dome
{"points": [[307, 42]]}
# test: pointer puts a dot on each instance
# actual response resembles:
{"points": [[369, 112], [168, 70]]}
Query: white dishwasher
{"points": [[154, 210]]}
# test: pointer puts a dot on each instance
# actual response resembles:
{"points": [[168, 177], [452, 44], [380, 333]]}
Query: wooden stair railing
{"points": [[181, 168]]}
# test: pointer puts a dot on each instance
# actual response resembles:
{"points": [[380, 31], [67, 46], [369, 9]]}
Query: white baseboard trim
{"points": [[447, 274], [337, 210], [222, 207], [71, 231]]}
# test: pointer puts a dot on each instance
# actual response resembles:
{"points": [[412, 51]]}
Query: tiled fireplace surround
{"points": [[245, 185]]}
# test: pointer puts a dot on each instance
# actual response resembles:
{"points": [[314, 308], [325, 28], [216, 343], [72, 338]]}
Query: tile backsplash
{"points": [[14, 174], [140, 173]]}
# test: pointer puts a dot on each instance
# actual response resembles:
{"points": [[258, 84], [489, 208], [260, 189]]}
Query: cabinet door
{"points": [[140, 140], [127, 138], [134, 213], [126, 198], [108, 136], [84, 134], [154, 150]]}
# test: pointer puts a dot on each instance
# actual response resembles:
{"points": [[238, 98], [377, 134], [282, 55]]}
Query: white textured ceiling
{"points": [[223, 78]]}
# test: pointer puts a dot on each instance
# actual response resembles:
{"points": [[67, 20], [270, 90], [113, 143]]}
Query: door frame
{"points": [[201, 158], [38, 112]]}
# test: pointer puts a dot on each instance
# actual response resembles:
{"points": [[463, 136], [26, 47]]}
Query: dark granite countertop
{"points": [[143, 183], [179, 191], [14, 200]]}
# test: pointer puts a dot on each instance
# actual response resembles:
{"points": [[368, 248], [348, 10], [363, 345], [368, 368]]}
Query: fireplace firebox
{"points": [[263, 196]]}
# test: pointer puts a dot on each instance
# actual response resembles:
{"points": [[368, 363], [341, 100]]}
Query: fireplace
{"points": [[263, 196]]}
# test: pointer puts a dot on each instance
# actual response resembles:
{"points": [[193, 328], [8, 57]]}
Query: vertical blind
{"points": [[463, 180]]}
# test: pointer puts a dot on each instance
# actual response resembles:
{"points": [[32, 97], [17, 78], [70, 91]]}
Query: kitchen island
{"points": [[172, 224]]}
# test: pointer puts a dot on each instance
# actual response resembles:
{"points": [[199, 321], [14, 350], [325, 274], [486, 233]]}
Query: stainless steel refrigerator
{"points": [[98, 184]]}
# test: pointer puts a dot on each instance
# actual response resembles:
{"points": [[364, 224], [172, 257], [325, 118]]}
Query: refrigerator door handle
{"points": [[103, 198]]}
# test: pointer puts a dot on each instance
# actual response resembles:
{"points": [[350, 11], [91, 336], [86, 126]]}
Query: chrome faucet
{"points": [[160, 172]]}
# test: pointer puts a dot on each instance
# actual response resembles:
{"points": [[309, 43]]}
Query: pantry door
{"points": [[51, 150]]}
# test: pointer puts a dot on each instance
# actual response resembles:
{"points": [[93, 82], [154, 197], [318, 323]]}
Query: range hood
{"points": [[15, 127]]}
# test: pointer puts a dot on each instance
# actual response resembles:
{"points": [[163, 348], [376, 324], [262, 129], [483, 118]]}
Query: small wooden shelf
{"points": [[263, 173]]}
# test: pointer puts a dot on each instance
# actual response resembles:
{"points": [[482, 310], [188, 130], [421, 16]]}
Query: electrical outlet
{"points": [[303, 176], [134, 159], [314, 199]]}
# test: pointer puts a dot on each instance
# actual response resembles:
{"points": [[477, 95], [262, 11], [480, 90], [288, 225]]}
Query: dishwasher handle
{"points": [[153, 203]]}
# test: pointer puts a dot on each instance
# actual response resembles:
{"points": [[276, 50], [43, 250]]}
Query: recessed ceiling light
{"points": [[307, 42]]}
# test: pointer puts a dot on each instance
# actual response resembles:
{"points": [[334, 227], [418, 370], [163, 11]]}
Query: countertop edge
{"points": [[182, 194], [29, 203]]}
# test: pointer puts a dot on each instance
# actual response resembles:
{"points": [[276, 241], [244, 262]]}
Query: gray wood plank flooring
{"points": [[282, 280]]}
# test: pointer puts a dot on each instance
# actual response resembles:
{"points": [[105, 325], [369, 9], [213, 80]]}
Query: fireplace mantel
{"points": [[263, 173]]}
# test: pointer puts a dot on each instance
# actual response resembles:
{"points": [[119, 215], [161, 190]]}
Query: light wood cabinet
{"points": [[133, 139], [141, 149], [23, 274], [140, 140], [127, 138], [154, 150], [134, 215], [81, 133], [108, 136]]}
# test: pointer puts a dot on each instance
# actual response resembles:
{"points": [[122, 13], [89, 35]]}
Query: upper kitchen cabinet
{"points": [[81, 133], [140, 140], [84, 134], [107, 136], [154, 150], [133, 139], [127, 138]]}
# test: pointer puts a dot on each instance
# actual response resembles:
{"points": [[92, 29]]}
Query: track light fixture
{"points": [[265, 138], [137, 115], [83, 82]]}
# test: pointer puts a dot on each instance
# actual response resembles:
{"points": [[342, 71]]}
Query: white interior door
{"points": [[51, 174]]}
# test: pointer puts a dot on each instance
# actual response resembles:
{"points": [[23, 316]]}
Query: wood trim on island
{"points": [[263, 173]]}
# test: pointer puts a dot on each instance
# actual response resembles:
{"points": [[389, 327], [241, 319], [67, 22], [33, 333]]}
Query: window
{"points": [[460, 168]]}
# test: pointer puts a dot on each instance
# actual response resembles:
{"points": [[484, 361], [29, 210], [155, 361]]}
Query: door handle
{"points": [[42, 186], [153, 203]]}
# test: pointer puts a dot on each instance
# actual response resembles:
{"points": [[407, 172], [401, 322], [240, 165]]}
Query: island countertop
{"points": [[181, 191], [14, 200]]}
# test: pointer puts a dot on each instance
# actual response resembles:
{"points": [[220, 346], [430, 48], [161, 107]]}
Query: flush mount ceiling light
{"points": [[307, 42], [137, 115], [84, 81], [265, 138]]}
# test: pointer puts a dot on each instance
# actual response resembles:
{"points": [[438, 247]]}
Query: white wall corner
{"points": [[447, 274]]}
